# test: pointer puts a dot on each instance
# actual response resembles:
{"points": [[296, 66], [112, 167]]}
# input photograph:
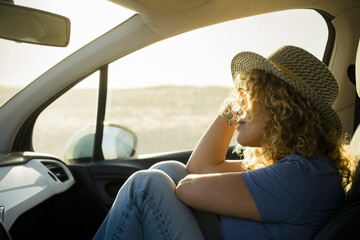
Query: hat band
{"points": [[292, 75]]}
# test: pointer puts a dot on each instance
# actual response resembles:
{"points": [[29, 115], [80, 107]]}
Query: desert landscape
{"points": [[164, 118]]}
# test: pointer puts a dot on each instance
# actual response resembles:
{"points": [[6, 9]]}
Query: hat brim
{"points": [[246, 61]]}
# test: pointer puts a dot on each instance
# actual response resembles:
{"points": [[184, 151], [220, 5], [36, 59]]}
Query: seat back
{"points": [[345, 223], [355, 147]]}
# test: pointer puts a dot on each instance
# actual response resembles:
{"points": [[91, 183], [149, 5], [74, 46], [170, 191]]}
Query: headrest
{"points": [[357, 69]]}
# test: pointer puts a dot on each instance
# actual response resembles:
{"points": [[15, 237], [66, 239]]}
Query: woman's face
{"points": [[251, 123]]}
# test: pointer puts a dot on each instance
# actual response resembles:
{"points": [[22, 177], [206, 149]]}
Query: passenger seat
{"points": [[345, 223]]}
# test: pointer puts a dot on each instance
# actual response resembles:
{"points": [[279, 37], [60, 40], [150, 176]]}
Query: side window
{"points": [[168, 93], [64, 118], [165, 118]]}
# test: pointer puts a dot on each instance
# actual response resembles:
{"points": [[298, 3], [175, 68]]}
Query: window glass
{"points": [[66, 117], [168, 93]]}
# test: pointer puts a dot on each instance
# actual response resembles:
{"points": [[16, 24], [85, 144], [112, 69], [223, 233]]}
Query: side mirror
{"points": [[118, 142], [23, 24]]}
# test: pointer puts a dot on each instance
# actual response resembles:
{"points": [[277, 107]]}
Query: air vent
{"points": [[57, 170]]}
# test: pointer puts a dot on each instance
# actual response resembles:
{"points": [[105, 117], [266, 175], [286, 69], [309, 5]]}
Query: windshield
{"points": [[89, 20]]}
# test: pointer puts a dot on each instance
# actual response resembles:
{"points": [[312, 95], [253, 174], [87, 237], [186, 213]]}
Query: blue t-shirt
{"points": [[294, 197]]}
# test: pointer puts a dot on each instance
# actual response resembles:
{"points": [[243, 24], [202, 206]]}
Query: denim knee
{"points": [[174, 169], [156, 208], [150, 181]]}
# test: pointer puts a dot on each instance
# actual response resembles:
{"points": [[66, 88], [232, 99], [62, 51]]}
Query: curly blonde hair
{"points": [[295, 126]]}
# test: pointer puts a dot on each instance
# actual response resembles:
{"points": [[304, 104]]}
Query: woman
{"points": [[293, 173]]}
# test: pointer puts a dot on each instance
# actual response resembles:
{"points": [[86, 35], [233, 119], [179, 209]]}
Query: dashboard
{"points": [[28, 179]]}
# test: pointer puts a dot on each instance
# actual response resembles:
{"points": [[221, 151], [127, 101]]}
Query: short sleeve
{"points": [[282, 191]]}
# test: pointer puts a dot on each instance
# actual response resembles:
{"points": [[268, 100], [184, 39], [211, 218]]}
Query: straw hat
{"points": [[301, 70]]}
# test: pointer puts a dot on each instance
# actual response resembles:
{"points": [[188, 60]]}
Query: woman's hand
{"points": [[227, 112]]}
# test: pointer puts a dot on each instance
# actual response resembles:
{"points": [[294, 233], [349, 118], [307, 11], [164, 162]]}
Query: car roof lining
{"points": [[168, 18], [167, 8]]}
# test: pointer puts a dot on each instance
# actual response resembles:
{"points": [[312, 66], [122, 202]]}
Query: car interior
{"points": [[42, 196]]}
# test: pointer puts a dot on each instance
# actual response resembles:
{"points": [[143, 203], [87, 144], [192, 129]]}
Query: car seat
{"points": [[345, 222]]}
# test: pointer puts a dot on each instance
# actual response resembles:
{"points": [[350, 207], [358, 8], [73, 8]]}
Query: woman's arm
{"points": [[209, 154], [223, 193]]}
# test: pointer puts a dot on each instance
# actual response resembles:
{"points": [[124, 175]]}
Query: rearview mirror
{"points": [[23, 24]]}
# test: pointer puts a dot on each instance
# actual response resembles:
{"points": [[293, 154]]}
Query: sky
{"points": [[23, 63], [89, 19]]}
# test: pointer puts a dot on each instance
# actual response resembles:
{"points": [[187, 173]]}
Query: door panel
{"points": [[108, 176]]}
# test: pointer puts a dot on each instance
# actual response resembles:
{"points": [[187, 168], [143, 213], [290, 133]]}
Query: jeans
{"points": [[146, 207]]}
